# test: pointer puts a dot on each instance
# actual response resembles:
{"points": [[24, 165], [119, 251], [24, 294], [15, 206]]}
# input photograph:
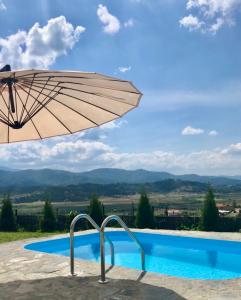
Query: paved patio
{"points": [[32, 275]]}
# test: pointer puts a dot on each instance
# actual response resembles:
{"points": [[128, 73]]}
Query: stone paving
{"points": [[29, 275]]}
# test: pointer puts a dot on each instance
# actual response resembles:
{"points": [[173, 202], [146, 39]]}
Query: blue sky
{"points": [[184, 55]]}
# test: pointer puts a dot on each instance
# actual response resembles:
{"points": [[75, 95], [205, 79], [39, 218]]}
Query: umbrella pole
{"points": [[9, 82]]}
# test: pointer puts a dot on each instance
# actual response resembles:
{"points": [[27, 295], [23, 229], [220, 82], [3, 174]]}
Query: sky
{"points": [[183, 55]]}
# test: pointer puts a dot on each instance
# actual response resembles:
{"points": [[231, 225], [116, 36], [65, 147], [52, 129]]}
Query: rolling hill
{"points": [[49, 177]]}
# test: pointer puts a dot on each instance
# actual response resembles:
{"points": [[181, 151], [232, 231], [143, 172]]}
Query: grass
{"points": [[21, 235]]}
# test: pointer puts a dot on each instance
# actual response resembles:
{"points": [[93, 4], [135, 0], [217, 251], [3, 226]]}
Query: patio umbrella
{"points": [[37, 104]]}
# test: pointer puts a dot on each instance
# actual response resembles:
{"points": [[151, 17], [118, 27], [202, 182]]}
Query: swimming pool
{"points": [[188, 257]]}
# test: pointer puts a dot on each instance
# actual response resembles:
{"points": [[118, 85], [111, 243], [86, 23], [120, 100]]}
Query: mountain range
{"points": [[50, 177]]}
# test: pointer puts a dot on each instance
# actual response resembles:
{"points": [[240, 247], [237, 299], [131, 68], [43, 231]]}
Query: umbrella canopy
{"points": [[37, 104]]}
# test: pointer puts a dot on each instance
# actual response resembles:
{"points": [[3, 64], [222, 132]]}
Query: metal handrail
{"points": [[93, 223], [102, 248]]}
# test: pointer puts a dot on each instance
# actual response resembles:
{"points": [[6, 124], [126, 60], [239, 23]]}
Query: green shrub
{"points": [[209, 213], [96, 210], [8, 222], [48, 222], [145, 215]]}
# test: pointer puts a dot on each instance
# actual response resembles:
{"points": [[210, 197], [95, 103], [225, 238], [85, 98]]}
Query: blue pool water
{"points": [[166, 254]]}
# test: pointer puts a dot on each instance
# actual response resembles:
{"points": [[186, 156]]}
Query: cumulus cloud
{"points": [[2, 6], [217, 25], [113, 124], [40, 46], [65, 154], [213, 133], [191, 23], [111, 23], [233, 149], [78, 154], [124, 69], [192, 131], [214, 14]]}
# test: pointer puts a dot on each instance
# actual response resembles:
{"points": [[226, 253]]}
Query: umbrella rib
{"points": [[27, 113], [112, 98], [7, 106], [53, 98], [44, 106], [76, 112], [2, 120], [26, 99], [136, 93], [67, 76], [4, 116], [8, 127], [37, 106], [80, 99], [16, 105], [40, 104]]}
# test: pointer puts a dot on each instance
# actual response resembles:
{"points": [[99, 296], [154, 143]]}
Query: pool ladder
{"points": [[102, 241], [93, 223]]}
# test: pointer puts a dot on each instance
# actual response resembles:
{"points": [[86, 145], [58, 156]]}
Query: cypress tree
{"points": [[209, 213], [48, 222], [145, 215], [132, 209], [166, 211], [8, 222], [96, 210]]}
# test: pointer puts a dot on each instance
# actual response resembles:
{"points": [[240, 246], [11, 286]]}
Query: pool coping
{"points": [[27, 264], [225, 236]]}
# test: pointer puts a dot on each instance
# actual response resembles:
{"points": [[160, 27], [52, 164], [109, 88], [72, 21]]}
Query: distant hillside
{"points": [[48, 177], [84, 191]]}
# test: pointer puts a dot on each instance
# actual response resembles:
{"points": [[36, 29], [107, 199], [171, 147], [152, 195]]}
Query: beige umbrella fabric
{"points": [[37, 104]]}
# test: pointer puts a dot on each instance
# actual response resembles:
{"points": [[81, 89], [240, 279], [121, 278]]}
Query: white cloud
{"points": [[113, 124], [100, 133], [192, 131], [40, 46], [77, 154], [129, 23], [213, 133], [124, 69], [212, 7], [111, 23], [2, 6], [213, 13], [191, 22], [209, 162], [216, 26], [233, 149]]}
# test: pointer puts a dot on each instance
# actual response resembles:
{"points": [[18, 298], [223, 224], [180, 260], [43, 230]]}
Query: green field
{"points": [[15, 236], [176, 200]]}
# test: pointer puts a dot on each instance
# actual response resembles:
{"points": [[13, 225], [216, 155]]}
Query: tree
{"points": [[166, 211], [96, 210], [145, 215], [48, 222], [209, 213], [132, 209], [8, 222]]}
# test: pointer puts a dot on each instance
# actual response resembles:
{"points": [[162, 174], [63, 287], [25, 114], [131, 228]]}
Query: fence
{"points": [[228, 224]]}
